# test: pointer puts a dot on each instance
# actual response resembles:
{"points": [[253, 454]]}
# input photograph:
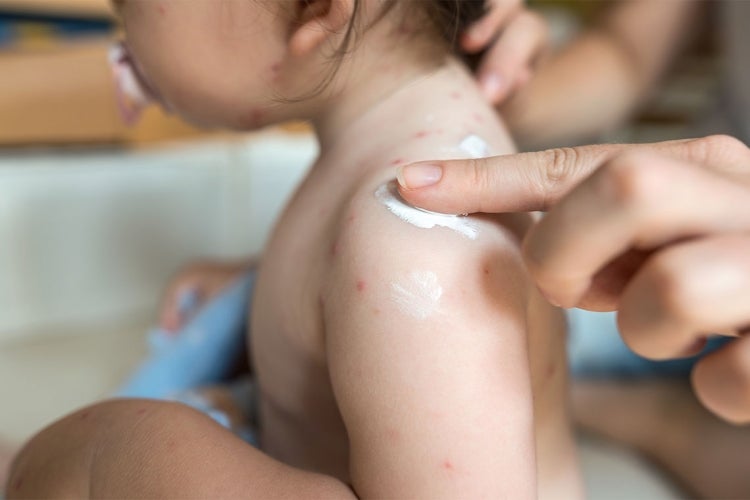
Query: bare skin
{"points": [[453, 388], [663, 420], [631, 46], [6, 458], [674, 272]]}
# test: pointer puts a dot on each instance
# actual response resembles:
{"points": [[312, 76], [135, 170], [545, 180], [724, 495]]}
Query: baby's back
{"points": [[395, 347], [300, 419]]}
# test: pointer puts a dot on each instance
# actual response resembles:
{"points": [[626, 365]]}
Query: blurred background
{"points": [[95, 216]]}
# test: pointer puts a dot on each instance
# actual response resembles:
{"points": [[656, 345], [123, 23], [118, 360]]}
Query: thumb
{"points": [[512, 183]]}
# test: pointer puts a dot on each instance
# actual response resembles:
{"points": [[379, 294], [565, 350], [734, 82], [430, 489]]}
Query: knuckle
{"points": [[717, 148], [560, 164], [677, 291], [633, 183], [481, 178]]}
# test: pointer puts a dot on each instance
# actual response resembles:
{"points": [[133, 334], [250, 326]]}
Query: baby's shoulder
{"points": [[377, 231]]}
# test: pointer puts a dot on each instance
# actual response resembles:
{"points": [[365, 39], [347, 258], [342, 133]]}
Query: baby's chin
{"points": [[257, 117]]}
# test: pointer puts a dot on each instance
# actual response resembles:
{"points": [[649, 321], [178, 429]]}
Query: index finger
{"points": [[537, 181]]}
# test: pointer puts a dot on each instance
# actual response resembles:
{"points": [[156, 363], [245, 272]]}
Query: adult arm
{"points": [[514, 37], [598, 79], [660, 232]]}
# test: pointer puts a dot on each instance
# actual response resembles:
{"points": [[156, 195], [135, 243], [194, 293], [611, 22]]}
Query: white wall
{"points": [[93, 236]]}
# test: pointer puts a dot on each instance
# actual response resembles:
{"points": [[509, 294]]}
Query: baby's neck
{"points": [[389, 108]]}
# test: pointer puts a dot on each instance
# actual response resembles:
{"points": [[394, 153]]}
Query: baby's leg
{"points": [[138, 449], [6, 456], [663, 419]]}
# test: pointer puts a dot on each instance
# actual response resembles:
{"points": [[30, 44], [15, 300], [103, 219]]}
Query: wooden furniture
{"points": [[67, 8]]}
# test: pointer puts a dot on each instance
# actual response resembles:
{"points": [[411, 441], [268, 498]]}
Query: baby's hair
{"points": [[451, 18], [447, 19]]}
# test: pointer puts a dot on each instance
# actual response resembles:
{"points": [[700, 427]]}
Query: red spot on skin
{"points": [[335, 249], [478, 118], [486, 271], [455, 95], [376, 311], [421, 134], [141, 411], [447, 465], [162, 10], [397, 161], [361, 285], [85, 415], [18, 483], [350, 219], [392, 434]]}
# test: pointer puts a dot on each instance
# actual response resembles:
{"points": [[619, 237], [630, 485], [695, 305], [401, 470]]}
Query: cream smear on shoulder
{"points": [[387, 194], [418, 294], [474, 146]]}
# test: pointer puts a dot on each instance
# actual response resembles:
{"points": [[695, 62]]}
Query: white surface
{"points": [[95, 236]]}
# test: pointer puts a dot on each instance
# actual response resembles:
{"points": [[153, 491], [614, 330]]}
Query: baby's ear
{"points": [[316, 21]]}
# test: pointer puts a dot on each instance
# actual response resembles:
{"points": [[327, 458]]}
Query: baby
{"points": [[398, 353]]}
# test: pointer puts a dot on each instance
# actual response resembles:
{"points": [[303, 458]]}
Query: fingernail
{"points": [[419, 175], [492, 85]]}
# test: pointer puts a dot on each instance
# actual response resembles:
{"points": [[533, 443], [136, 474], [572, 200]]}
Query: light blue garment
{"points": [[204, 352], [595, 350]]}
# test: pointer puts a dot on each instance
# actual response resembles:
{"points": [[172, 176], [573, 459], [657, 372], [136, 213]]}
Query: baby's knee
{"points": [[58, 460]]}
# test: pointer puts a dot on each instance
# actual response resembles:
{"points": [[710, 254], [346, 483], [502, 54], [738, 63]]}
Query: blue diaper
{"points": [[205, 352]]}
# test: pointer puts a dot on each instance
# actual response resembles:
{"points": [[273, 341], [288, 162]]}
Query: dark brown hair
{"points": [[448, 20], [451, 18]]}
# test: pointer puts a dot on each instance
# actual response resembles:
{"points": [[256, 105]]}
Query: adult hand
{"points": [[514, 37], [659, 232]]}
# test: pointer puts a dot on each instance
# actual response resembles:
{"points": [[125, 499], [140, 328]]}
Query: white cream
{"points": [[389, 196], [471, 145], [418, 295], [474, 146]]}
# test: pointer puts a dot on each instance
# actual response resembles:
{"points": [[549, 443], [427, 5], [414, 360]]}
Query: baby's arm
{"points": [[428, 357]]}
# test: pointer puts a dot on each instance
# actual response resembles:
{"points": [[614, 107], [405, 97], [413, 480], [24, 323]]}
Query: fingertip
{"points": [[493, 85], [419, 175], [722, 381], [475, 38], [470, 44]]}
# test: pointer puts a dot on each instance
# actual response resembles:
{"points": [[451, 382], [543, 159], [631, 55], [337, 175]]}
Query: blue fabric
{"points": [[596, 350], [202, 353]]}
